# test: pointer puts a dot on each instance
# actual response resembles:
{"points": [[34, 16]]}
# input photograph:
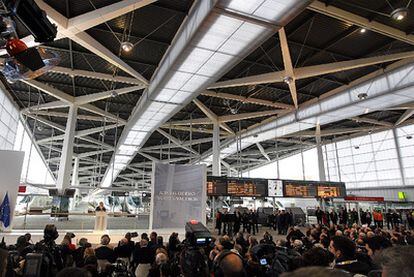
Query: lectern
{"points": [[100, 221]]}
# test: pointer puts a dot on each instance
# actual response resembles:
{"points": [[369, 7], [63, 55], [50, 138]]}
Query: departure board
{"points": [[217, 186], [303, 189], [240, 187], [328, 192]]}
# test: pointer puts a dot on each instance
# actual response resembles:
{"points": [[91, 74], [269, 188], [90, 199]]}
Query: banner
{"points": [[178, 194], [10, 171]]}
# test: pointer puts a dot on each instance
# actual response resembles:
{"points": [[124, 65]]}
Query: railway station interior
{"points": [[207, 138]]}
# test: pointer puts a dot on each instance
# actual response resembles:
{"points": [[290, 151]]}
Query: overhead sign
{"points": [[178, 195], [364, 198], [310, 189]]}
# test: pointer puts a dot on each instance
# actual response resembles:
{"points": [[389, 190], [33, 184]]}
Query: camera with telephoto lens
{"points": [[119, 269]]}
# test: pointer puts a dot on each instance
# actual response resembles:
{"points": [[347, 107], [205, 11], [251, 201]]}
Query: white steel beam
{"points": [[62, 96], [96, 17], [248, 100], [216, 150], [371, 121], [65, 115], [96, 110], [354, 19], [195, 130], [213, 117], [261, 149], [46, 106], [290, 140], [95, 75], [65, 165], [47, 122], [321, 165], [287, 62], [194, 121], [85, 40], [93, 153], [312, 71], [88, 98], [177, 141], [406, 115], [244, 116]]}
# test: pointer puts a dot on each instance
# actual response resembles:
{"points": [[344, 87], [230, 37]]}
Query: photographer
{"points": [[193, 261], [52, 261]]}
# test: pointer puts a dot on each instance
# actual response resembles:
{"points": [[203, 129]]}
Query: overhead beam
{"points": [[371, 121], [194, 121], [176, 141], [98, 16], [406, 115], [88, 42], [213, 117], [261, 149], [62, 96], [360, 21], [65, 115], [194, 130], [244, 116], [95, 75], [312, 71], [248, 100], [88, 98]]}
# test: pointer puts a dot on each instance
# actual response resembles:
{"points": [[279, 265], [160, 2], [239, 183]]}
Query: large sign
{"points": [[304, 189], [11, 163], [240, 187], [178, 195]]}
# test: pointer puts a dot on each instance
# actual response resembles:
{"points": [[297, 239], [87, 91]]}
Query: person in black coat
{"points": [[104, 252], [219, 218], [319, 215], [282, 223], [344, 251], [237, 222], [333, 217]]}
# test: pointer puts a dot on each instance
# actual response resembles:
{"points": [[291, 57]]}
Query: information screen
{"points": [[216, 186], [240, 187], [328, 192], [313, 189]]}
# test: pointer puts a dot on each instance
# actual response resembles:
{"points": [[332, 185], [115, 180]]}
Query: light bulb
{"points": [[127, 46]]}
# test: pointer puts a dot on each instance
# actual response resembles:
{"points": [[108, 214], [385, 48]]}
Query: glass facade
{"points": [[406, 145], [9, 118], [367, 161]]}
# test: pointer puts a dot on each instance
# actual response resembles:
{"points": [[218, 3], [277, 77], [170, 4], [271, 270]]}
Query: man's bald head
{"points": [[232, 265]]}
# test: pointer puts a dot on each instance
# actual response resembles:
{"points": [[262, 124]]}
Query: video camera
{"points": [[201, 236]]}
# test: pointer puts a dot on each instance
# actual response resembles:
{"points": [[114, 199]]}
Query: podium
{"points": [[101, 221]]}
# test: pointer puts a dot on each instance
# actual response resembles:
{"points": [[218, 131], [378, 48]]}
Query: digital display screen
{"points": [[328, 192], [295, 190], [240, 187], [216, 187], [303, 189]]}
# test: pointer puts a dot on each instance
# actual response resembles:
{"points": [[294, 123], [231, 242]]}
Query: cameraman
{"points": [[193, 260], [51, 252]]}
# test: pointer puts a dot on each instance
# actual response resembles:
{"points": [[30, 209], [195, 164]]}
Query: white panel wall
{"points": [[9, 118]]}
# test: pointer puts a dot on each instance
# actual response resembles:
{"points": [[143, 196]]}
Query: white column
{"points": [[400, 163], [321, 165], [65, 165], [75, 180], [216, 150]]}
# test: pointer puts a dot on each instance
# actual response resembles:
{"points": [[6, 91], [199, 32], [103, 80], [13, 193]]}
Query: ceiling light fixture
{"points": [[127, 46], [362, 96], [399, 14], [362, 30], [287, 80], [114, 94]]}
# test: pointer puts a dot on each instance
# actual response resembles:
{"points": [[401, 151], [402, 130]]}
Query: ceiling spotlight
{"points": [[408, 137], [362, 30], [114, 94], [39, 128], [127, 46], [287, 80], [399, 14], [356, 147], [233, 110], [362, 96]]}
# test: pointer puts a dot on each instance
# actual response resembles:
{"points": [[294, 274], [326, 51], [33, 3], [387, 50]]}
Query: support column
{"points": [[400, 163], [75, 180], [216, 150], [321, 165], [65, 165]]}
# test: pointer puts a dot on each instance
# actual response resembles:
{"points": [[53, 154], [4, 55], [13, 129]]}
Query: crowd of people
{"points": [[342, 249]]}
